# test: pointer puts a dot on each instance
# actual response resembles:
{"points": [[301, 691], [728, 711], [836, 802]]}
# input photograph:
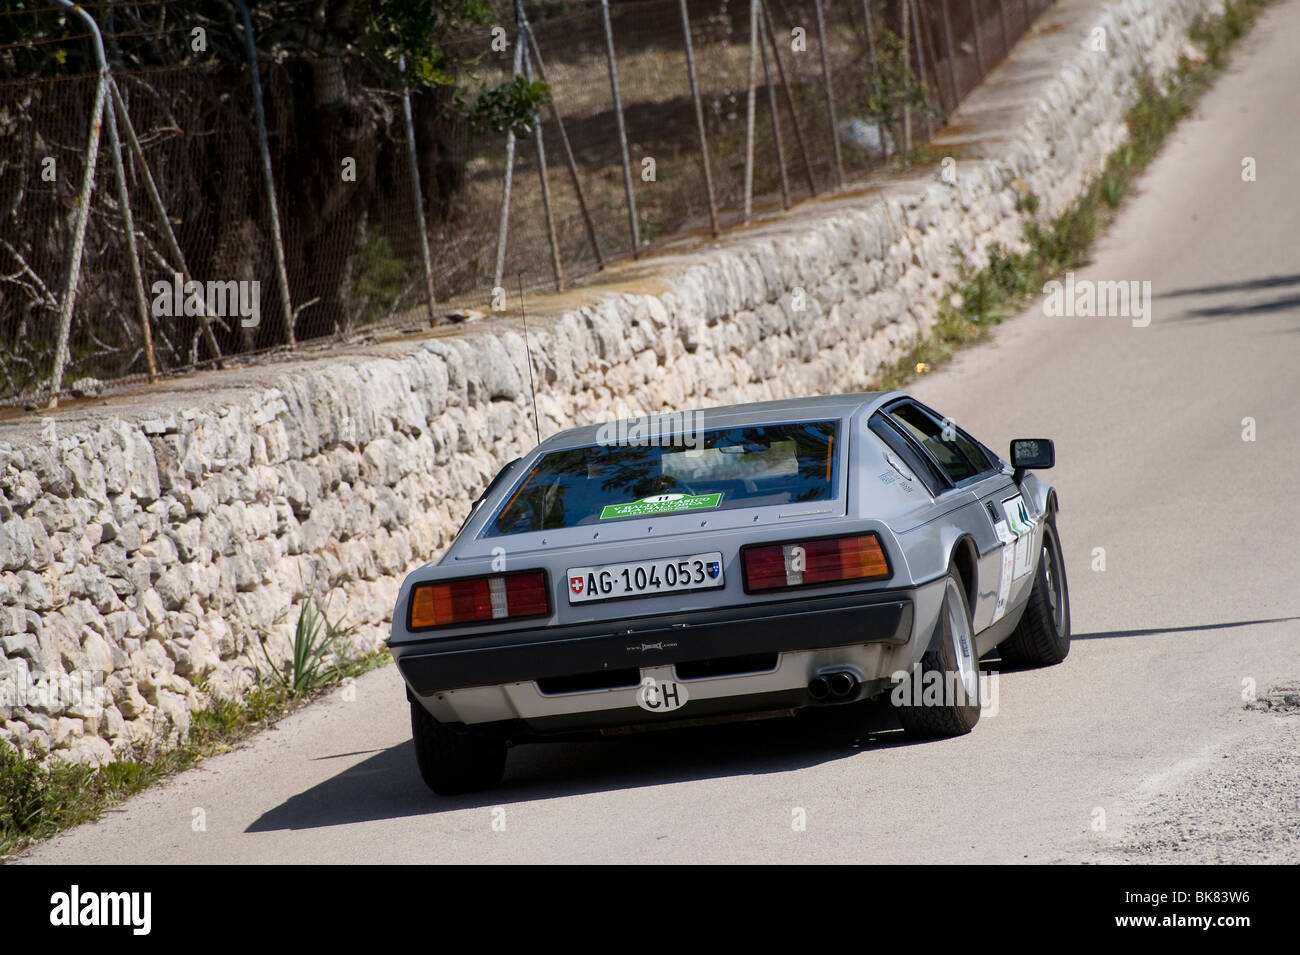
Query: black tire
{"points": [[958, 708], [1042, 637], [453, 762]]}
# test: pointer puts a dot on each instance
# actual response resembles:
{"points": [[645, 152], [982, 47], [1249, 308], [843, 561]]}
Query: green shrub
{"points": [[314, 637]]}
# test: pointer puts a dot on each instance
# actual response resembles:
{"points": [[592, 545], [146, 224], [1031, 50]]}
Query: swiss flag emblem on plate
{"points": [[575, 584]]}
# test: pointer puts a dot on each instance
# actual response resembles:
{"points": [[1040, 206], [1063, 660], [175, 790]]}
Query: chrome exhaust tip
{"points": [[842, 684], [819, 688]]}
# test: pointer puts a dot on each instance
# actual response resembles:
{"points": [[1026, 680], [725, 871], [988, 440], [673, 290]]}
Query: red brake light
{"points": [[799, 563], [479, 599], [526, 595], [765, 567]]}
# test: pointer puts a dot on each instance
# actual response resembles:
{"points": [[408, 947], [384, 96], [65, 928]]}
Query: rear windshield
{"points": [[719, 470]]}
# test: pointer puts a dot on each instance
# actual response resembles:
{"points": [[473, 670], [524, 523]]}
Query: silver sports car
{"points": [[727, 564]]}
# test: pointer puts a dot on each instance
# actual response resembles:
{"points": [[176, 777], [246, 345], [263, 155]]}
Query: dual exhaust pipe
{"points": [[838, 686]]}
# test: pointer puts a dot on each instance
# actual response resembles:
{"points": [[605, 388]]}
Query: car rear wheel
{"points": [[941, 696], [1042, 638], [453, 762]]}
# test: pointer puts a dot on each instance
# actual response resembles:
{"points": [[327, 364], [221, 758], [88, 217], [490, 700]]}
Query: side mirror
{"points": [[1031, 454]]}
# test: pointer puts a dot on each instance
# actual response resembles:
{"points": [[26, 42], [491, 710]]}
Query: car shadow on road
{"points": [[1156, 631], [1248, 285], [388, 785], [1288, 303], [1239, 308]]}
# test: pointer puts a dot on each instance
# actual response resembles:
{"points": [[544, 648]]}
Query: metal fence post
{"points": [[751, 90], [776, 117], [268, 178], [917, 30], [789, 98], [123, 195], [568, 150], [160, 211], [557, 267], [503, 224], [699, 117], [128, 221], [952, 58], [830, 92], [875, 69], [417, 194], [979, 42], [622, 132], [907, 69], [934, 62], [80, 213], [871, 46]]}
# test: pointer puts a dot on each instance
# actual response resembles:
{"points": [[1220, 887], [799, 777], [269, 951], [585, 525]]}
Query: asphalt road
{"points": [[1137, 747]]}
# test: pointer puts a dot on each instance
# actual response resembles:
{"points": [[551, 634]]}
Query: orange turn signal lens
{"points": [[861, 557], [479, 599]]}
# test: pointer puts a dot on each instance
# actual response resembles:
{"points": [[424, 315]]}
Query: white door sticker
{"points": [[1016, 534], [1004, 580], [1022, 557]]}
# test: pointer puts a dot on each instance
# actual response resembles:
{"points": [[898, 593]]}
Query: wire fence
{"points": [[306, 202]]}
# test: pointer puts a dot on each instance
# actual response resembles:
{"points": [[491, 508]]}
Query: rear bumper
{"points": [[437, 665]]}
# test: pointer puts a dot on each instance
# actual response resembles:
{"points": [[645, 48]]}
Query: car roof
{"points": [[732, 416]]}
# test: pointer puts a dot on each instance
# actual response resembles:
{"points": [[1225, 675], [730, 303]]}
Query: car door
{"points": [[969, 466]]}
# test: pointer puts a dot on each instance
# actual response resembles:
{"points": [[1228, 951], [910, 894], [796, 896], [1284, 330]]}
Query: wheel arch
{"points": [[965, 558]]}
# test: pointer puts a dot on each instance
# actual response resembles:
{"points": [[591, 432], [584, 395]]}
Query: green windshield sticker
{"points": [[661, 504]]}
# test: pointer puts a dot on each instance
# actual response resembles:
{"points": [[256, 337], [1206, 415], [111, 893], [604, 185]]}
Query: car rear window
{"points": [[716, 470]]}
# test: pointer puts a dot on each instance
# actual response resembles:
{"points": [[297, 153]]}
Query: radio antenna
{"points": [[528, 350]]}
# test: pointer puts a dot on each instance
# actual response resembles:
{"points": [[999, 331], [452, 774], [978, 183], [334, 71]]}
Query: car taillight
{"points": [[479, 599], [825, 561]]}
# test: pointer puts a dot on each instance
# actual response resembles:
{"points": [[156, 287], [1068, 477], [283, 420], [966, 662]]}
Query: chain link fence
{"points": [[383, 209]]}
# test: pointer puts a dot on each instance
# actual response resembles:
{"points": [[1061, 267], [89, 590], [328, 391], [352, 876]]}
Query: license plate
{"points": [[645, 577]]}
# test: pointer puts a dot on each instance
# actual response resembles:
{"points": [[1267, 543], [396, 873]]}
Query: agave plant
{"points": [[314, 637]]}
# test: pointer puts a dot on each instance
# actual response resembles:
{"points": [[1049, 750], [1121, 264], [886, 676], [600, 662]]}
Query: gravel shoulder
{"points": [[1237, 804]]}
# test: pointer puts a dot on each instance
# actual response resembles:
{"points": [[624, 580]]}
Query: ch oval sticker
{"points": [[661, 697]]}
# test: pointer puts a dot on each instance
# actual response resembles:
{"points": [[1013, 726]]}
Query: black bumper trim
{"points": [[842, 620]]}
